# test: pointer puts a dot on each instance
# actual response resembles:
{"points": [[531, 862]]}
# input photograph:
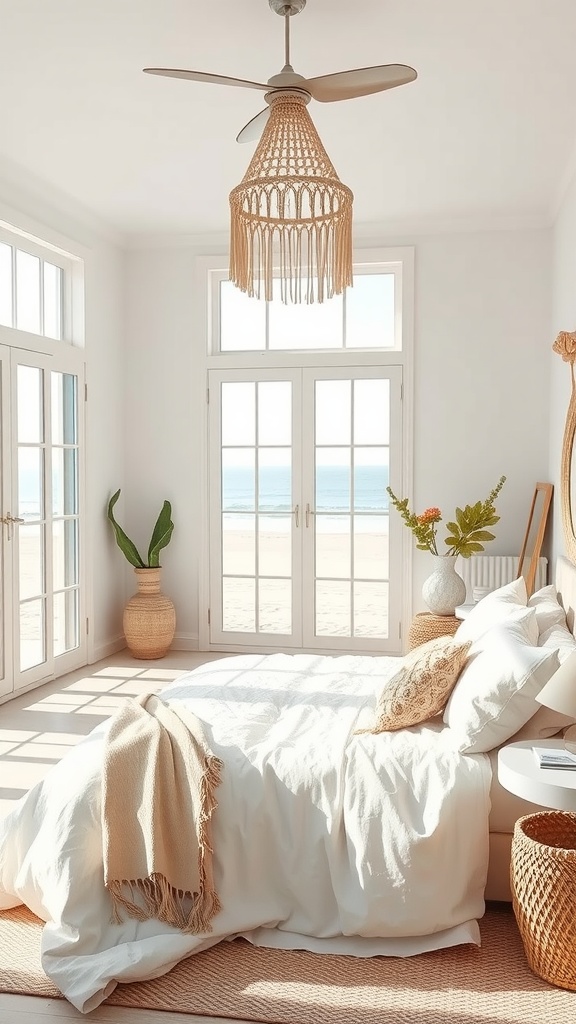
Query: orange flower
{"points": [[430, 515]]}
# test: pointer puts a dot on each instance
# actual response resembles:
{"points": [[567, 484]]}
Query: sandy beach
{"points": [[349, 571], [31, 586]]}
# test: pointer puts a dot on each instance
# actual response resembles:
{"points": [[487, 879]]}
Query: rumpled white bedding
{"points": [[323, 840]]}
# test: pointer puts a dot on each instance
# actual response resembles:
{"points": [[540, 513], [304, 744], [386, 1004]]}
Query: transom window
{"points": [[35, 287], [367, 316]]}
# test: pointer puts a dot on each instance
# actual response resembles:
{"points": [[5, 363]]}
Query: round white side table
{"points": [[520, 773]]}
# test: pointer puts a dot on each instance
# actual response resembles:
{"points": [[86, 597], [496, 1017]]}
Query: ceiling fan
{"points": [[342, 85]]}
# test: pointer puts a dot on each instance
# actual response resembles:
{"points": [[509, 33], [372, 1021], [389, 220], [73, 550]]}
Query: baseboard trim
{"points": [[106, 650], [184, 642], [181, 642]]}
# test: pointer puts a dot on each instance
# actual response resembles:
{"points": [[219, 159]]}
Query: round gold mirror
{"points": [[565, 345]]}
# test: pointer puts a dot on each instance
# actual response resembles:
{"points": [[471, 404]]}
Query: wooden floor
{"points": [[36, 730]]}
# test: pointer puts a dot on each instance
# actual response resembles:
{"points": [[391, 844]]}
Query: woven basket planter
{"points": [[426, 626], [149, 618], [543, 881]]}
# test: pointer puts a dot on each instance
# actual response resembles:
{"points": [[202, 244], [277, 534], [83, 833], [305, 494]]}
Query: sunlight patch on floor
{"points": [[16, 735], [114, 670], [90, 684], [64, 711], [166, 675]]}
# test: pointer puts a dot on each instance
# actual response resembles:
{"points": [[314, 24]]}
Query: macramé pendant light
{"points": [[291, 212], [291, 215]]}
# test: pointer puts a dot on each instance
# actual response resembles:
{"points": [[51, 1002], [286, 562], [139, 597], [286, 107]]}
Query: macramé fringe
{"points": [[291, 214], [155, 897], [314, 260]]}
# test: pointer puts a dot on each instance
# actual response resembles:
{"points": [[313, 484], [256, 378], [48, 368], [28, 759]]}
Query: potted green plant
{"points": [[149, 618]]}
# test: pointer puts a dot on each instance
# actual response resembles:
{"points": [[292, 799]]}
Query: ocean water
{"points": [[336, 487]]}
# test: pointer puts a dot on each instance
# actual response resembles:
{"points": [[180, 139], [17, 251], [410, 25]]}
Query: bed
{"points": [[330, 834]]}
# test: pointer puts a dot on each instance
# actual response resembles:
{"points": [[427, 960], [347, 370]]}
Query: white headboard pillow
{"points": [[549, 611], [496, 691], [499, 606], [552, 603]]}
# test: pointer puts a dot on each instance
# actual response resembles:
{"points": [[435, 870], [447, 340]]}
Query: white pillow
{"points": [[486, 614], [549, 611], [496, 691], [546, 721], [558, 638]]}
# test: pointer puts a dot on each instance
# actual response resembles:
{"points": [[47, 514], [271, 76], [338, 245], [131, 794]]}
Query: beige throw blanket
{"points": [[158, 785]]}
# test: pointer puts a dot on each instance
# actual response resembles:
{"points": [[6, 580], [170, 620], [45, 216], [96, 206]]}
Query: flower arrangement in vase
{"points": [[466, 535]]}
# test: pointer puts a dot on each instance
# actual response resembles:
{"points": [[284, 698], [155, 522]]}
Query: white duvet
{"points": [[323, 839]]}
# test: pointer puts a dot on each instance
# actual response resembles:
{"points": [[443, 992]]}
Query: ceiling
{"points": [[486, 134]]}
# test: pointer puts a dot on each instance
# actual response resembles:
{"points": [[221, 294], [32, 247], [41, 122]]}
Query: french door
{"points": [[40, 514], [301, 553]]}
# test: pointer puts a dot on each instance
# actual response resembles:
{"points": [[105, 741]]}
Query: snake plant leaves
{"points": [[161, 534], [127, 547]]}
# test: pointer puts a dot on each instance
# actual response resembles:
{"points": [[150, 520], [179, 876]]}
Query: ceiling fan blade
{"points": [[253, 130], [346, 85], [204, 76]]}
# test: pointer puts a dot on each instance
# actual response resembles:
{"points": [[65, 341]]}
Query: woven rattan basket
{"points": [[543, 881]]}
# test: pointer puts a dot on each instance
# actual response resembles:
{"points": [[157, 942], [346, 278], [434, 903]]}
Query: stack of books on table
{"points": [[555, 757]]}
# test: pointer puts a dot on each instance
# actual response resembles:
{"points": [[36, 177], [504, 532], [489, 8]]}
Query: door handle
{"points": [[309, 512], [296, 514], [9, 520]]}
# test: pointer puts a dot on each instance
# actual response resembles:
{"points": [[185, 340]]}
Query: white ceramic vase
{"points": [[444, 589]]}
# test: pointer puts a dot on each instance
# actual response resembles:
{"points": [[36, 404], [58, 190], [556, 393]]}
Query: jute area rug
{"points": [[463, 985]]}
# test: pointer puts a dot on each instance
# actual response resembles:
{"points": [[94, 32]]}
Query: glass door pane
{"points": [[31, 541], [300, 551], [6, 604], [47, 534], [346, 518], [254, 503], [41, 583], [65, 511]]}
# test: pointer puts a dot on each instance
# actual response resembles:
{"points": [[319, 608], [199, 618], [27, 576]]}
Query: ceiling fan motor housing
{"points": [[283, 8]]}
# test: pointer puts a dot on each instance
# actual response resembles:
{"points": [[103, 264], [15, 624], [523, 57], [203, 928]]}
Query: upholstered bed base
{"points": [[498, 883]]}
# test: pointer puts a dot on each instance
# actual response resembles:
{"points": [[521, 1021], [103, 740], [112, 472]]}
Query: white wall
{"points": [[481, 376], [481, 389], [56, 219], [165, 403], [105, 439], [563, 319]]}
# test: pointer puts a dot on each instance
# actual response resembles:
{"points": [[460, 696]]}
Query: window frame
{"points": [[72, 310], [365, 265], [203, 292], [68, 356]]}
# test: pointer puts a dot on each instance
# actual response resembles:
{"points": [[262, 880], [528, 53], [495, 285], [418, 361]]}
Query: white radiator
{"points": [[494, 571]]}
